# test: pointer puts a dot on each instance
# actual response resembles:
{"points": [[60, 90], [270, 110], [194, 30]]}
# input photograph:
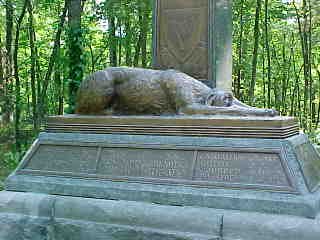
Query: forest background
{"points": [[48, 46]]}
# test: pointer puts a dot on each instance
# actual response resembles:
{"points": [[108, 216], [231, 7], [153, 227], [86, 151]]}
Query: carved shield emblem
{"points": [[182, 32]]}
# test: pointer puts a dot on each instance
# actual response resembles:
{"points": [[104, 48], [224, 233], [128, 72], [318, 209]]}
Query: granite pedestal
{"points": [[165, 178]]}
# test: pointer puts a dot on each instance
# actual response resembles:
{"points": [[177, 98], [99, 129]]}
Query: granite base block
{"points": [[258, 175], [41, 216], [98, 185]]}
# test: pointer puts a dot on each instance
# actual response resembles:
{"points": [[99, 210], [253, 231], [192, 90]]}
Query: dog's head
{"points": [[220, 98]]}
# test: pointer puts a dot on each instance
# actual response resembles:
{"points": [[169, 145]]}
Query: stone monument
{"points": [[195, 37], [160, 172]]}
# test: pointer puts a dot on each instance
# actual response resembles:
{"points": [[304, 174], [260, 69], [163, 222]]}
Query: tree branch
{"points": [[53, 55]]}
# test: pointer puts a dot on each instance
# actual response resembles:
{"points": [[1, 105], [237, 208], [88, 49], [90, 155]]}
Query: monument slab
{"points": [[174, 164], [167, 177], [195, 37], [207, 126], [248, 174], [310, 162]]}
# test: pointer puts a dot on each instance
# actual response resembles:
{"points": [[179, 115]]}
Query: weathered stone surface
{"points": [[74, 218], [208, 167], [309, 159], [20, 227], [183, 36], [80, 186], [253, 226], [246, 174], [64, 158], [142, 179], [195, 36], [82, 219]]}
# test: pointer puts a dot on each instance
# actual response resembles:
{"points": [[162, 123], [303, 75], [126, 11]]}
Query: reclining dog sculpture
{"points": [[122, 90]]}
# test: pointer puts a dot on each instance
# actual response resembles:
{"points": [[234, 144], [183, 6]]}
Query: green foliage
{"points": [[76, 65], [9, 160], [9, 157], [99, 44], [291, 90]]}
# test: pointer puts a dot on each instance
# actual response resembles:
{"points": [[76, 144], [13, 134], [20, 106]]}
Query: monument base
{"points": [[32, 216], [97, 178]]}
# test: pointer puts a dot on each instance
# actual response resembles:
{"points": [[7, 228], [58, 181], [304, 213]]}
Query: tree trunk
{"points": [[113, 41], [2, 58], [311, 89], [139, 40], [137, 51], [8, 84], [9, 32], [52, 60], [318, 115], [276, 89], [92, 58], [128, 37], [120, 42], [240, 51], [255, 51], [267, 47], [144, 31], [286, 65], [33, 69], [59, 89], [16, 76], [39, 79], [76, 67], [305, 52]]}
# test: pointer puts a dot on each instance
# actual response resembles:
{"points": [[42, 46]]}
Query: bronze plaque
{"points": [[309, 160], [195, 167], [240, 167], [212, 167], [147, 163], [182, 36], [64, 158]]}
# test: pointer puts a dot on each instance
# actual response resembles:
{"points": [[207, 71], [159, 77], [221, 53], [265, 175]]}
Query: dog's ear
{"points": [[219, 98], [210, 99]]}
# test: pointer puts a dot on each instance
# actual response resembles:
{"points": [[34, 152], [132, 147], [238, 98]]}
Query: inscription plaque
{"points": [[309, 160], [53, 158], [148, 163], [240, 167], [235, 168]]}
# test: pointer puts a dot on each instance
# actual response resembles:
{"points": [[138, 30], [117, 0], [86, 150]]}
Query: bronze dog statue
{"points": [[122, 90]]}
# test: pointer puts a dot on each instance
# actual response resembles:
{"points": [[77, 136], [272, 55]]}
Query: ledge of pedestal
{"points": [[42, 216], [198, 125]]}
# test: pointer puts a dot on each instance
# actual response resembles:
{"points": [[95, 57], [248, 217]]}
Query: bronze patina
{"points": [[137, 91], [210, 167], [198, 126]]}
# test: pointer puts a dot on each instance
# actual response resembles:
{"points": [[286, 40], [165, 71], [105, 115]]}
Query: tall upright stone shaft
{"points": [[195, 37]]}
